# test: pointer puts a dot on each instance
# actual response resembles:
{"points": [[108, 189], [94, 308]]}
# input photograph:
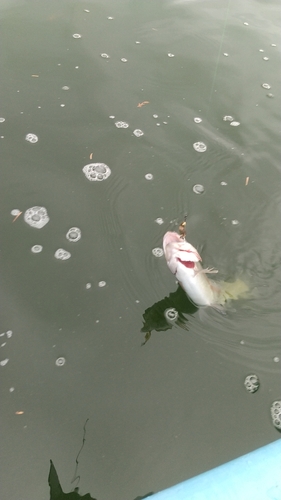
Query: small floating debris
{"points": [[198, 189], [101, 284], [171, 314], [228, 118], [77, 35], [121, 124], [2, 119], [197, 119], [170, 54], [223, 183], [157, 252], [225, 54], [266, 86], [270, 95], [138, 132], [234, 124], [105, 56], [60, 361], [36, 217], [31, 138], [123, 59], [4, 362], [148, 177], [36, 248], [88, 286], [65, 87], [235, 222], [73, 234], [9, 333], [200, 147], [266, 58], [110, 18], [141, 104], [276, 359], [62, 254], [96, 171], [275, 411], [246, 24], [252, 383]]}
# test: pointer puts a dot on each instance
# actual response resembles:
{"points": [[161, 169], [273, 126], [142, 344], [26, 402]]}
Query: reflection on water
{"points": [[156, 317]]}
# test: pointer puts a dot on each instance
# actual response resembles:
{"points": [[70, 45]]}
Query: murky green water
{"points": [[177, 406]]}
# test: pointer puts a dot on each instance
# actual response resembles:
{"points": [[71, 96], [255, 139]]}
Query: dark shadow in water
{"points": [[154, 317], [56, 492]]}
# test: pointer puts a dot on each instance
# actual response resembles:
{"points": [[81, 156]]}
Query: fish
{"points": [[184, 262]]}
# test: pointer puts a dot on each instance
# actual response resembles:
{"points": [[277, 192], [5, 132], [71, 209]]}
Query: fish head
{"points": [[178, 250]]}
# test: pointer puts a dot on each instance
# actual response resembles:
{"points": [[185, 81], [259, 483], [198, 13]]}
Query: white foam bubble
{"points": [[198, 189], [200, 147], [36, 217], [73, 234], [157, 252], [31, 138], [15, 212], [121, 124], [171, 314], [62, 254], [60, 361], [96, 171], [149, 177], [138, 132], [36, 248]]}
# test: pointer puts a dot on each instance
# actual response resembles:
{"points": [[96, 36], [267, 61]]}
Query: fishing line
{"points": [[75, 477], [219, 55]]}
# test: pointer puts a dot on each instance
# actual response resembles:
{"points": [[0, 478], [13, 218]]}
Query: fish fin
{"points": [[219, 308], [208, 270]]}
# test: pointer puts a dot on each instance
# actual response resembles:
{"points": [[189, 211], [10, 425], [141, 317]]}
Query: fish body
{"points": [[184, 262]]}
